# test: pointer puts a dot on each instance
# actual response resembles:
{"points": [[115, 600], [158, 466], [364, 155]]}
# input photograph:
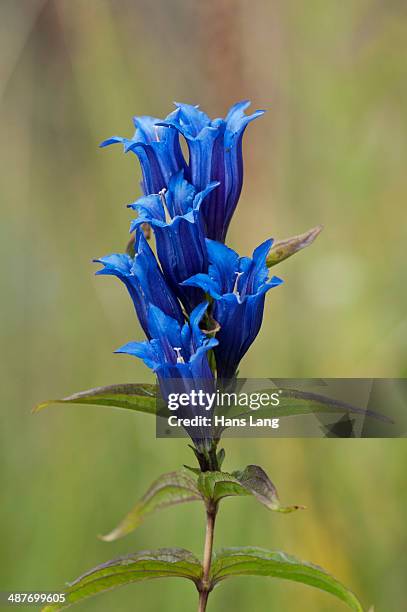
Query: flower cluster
{"points": [[199, 303]]}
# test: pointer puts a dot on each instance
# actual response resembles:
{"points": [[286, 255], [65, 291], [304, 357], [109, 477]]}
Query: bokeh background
{"points": [[330, 150]]}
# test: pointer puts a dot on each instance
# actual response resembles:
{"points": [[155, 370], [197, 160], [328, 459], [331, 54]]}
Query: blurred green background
{"points": [[330, 150]]}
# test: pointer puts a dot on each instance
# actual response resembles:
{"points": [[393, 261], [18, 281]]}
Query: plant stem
{"points": [[205, 586], [203, 598]]}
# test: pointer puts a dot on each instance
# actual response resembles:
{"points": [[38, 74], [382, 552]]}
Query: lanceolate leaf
{"points": [[168, 490], [293, 402], [248, 561], [138, 397], [255, 480], [251, 481], [304, 402], [162, 563]]}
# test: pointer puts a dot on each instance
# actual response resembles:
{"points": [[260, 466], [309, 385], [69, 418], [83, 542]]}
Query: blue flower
{"points": [[178, 356], [144, 281], [176, 219], [215, 154], [158, 150], [238, 286]]}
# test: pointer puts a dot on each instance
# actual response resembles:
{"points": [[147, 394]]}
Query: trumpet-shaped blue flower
{"points": [[158, 150], [178, 356], [144, 281], [215, 154], [238, 286], [176, 219]]}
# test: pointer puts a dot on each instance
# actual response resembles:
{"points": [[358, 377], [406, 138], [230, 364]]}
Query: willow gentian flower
{"points": [[215, 154], [178, 356], [144, 281], [175, 217], [158, 150], [238, 286]]}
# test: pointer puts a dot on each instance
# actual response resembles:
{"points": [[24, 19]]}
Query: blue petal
{"points": [[236, 123], [120, 265], [144, 281], [144, 350], [199, 364], [274, 282], [152, 283], [237, 108], [230, 315], [181, 250], [240, 323], [166, 330], [182, 194], [147, 129], [204, 193], [260, 253], [158, 150], [201, 344], [153, 178], [163, 143], [253, 321], [150, 207], [194, 320], [115, 140], [201, 157], [205, 158], [117, 264], [190, 119], [257, 273], [186, 336], [236, 120], [204, 282], [214, 208], [224, 263]]}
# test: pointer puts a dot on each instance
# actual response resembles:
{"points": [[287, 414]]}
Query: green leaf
{"points": [[194, 470], [144, 565], [282, 249], [251, 481], [168, 490], [255, 480], [294, 403], [250, 561], [139, 397], [216, 485]]}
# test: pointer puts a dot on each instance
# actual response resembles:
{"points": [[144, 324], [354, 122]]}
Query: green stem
{"points": [[205, 586]]}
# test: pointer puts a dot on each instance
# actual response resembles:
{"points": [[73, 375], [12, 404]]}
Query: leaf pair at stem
{"points": [[180, 563], [210, 487]]}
